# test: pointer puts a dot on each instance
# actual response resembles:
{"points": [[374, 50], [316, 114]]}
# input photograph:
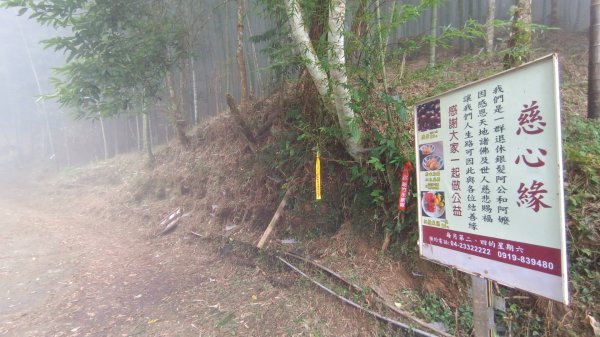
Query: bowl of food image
{"points": [[433, 204], [427, 149], [433, 163]]}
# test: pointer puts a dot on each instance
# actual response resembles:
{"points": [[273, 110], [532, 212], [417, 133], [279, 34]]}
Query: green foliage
{"points": [[433, 308], [299, 141], [472, 30], [520, 34], [465, 317], [116, 50], [521, 322], [283, 61], [582, 155], [285, 154]]}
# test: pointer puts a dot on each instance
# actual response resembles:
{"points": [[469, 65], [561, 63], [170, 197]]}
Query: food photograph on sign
{"points": [[428, 116], [431, 156], [433, 204], [489, 182]]}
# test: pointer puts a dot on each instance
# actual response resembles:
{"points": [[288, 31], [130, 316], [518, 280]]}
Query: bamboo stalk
{"points": [[358, 306], [380, 296]]}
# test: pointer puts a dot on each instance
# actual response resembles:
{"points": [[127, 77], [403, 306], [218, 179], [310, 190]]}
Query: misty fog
{"points": [[40, 132]]}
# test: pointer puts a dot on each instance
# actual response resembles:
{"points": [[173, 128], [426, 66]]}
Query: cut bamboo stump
{"points": [[273, 222], [235, 112]]}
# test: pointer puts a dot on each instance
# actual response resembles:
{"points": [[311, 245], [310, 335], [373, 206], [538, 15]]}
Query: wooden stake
{"points": [[276, 216]]}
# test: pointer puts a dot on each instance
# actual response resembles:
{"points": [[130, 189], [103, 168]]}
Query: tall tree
{"points": [[104, 140], [461, 21], [381, 44], [471, 15], [433, 34], [489, 41], [194, 90], [554, 16], [357, 30], [175, 109], [338, 99], [255, 89], [241, 57], [40, 92], [594, 62]]}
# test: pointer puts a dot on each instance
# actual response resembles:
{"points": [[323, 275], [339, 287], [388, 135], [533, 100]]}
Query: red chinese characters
{"points": [[527, 160], [404, 186], [531, 122], [454, 149], [532, 196]]}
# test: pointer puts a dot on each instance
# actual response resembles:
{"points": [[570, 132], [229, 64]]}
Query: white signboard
{"points": [[490, 184]]}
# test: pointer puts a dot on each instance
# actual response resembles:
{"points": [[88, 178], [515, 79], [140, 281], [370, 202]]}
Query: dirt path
{"points": [[68, 270], [65, 273]]}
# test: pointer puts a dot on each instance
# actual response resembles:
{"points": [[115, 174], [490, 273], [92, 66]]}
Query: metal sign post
{"points": [[483, 307]]}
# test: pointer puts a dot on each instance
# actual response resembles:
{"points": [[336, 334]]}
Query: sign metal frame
{"points": [[536, 278]]}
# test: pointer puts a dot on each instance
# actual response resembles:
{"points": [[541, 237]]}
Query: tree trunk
{"points": [[180, 123], [241, 122], [489, 42], [470, 15], [138, 134], [115, 124], [257, 89], [519, 44], [461, 20], [180, 98], [305, 48], [339, 79], [42, 102], [358, 29], [104, 142], [216, 88], [594, 62], [388, 30], [433, 42], [147, 132], [341, 96], [241, 57], [195, 90], [227, 50], [151, 127], [381, 44], [147, 138], [554, 17]]}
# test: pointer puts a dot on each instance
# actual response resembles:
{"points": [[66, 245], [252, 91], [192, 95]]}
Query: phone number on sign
{"points": [[526, 260], [525, 255], [501, 255], [471, 248], [464, 246]]}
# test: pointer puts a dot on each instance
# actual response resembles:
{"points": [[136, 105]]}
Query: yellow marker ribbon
{"points": [[318, 177]]}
